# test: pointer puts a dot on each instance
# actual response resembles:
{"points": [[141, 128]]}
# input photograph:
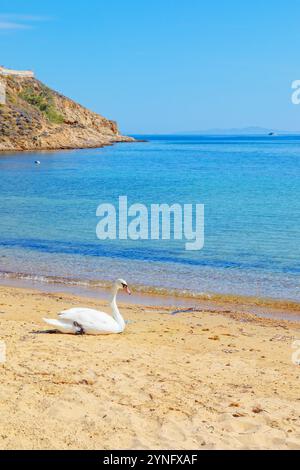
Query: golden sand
{"points": [[200, 380]]}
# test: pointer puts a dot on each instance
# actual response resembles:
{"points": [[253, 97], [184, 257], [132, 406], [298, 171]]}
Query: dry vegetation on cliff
{"points": [[36, 117]]}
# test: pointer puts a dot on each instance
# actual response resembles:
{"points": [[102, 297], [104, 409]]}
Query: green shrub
{"points": [[42, 100], [54, 116]]}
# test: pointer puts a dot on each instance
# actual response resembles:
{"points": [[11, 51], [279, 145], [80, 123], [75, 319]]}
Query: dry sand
{"points": [[201, 380]]}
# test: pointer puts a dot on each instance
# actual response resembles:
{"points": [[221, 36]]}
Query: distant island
{"points": [[252, 130], [35, 117]]}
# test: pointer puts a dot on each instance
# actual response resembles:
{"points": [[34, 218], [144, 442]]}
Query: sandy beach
{"points": [[194, 380]]}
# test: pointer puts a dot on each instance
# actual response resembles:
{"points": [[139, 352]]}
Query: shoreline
{"points": [[122, 140], [280, 309], [208, 380]]}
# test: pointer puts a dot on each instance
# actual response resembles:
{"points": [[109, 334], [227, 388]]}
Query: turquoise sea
{"points": [[250, 187]]}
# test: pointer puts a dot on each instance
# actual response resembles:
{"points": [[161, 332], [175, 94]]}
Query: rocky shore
{"points": [[38, 118]]}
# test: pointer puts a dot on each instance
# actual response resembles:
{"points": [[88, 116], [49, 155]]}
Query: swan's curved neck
{"points": [[115, 311]]}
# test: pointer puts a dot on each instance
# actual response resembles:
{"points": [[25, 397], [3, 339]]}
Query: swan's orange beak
{"points": [[126, 288]]}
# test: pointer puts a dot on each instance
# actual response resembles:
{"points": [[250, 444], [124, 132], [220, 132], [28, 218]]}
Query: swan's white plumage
{"points": [[92, 321]]}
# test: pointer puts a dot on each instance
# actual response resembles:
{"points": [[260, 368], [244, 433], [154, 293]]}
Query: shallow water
{"points": [[249, 185]]}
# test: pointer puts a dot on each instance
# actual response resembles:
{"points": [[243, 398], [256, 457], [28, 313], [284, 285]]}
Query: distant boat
{"points": [[271, 133], [37, 162]]}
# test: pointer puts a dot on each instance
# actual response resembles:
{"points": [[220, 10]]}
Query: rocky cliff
{"points": [[38, 118]]}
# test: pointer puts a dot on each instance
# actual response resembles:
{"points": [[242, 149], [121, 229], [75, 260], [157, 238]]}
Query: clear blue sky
{"points": [[164, 65]]}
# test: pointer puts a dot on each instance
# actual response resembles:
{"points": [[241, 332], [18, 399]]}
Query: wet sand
{"points": [[210, 379]]}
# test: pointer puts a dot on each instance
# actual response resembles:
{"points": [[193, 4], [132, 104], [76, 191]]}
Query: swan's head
{"points": [[121, 284]]}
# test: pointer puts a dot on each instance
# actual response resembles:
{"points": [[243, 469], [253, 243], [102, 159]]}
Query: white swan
{"points": [[92, 322]]}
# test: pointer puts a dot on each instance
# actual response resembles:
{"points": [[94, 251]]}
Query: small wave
{"points": [[53, 280], [102, 284], [237, 300]]}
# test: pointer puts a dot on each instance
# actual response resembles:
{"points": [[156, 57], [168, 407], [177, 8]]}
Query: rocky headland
{"points": [[35, 117]]}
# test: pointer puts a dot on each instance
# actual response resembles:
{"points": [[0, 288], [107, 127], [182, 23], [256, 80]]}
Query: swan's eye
{"points": [[124, 285]]}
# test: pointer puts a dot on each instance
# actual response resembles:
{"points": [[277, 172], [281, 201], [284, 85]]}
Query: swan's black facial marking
{"points": [[125, 287]]}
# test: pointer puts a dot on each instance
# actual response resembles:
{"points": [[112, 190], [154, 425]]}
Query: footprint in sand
{"points": [[239, 425]]}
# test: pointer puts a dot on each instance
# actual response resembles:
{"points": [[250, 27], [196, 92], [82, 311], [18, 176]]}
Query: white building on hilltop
{"points": [[2, 93], [17, 73]]}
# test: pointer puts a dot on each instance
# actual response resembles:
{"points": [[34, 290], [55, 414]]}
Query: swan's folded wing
{"points": [[91, 320], [82, 314]]}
